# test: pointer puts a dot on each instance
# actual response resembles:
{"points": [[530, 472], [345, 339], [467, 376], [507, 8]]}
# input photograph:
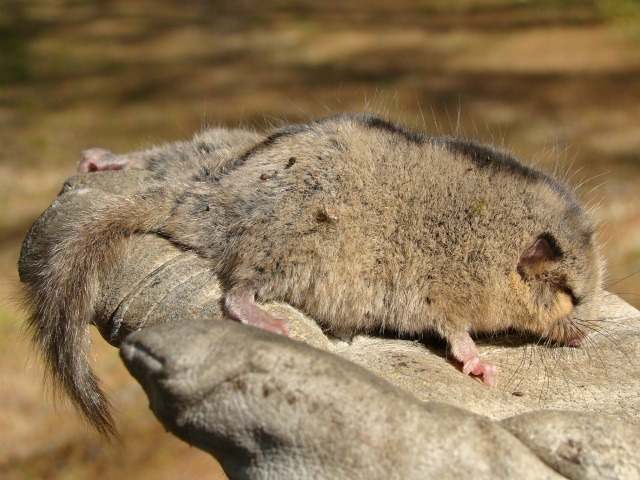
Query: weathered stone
{"points": [[270, 407], [581, 446]]}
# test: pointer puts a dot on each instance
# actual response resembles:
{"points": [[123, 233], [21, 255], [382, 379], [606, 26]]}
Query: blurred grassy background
{"points": [[555, 81]]}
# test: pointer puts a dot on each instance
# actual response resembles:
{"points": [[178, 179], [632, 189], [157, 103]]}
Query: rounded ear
{"points": [[544, 249]]}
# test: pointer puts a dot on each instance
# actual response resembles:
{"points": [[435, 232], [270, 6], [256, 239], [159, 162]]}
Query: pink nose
{"points": [[574, 342]]}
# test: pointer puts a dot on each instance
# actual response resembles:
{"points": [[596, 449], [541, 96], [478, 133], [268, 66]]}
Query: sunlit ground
{"points": [[555, 82]]}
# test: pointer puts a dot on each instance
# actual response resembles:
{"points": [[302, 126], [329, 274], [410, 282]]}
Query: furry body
{"points": [[359, 223]]}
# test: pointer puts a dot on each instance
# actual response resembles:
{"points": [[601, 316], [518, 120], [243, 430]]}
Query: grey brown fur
{"points": [[363, 225]]}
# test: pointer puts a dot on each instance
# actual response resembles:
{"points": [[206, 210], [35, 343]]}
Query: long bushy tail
{"points": [[61, 278]]}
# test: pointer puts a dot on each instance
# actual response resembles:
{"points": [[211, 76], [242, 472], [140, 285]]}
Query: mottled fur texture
{"points": [[357, 222]]}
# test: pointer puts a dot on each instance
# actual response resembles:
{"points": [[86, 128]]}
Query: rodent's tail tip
{"points": [[93, 405], [68, 372], [94, 409], [106, 428]]}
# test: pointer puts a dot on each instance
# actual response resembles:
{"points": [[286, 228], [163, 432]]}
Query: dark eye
{"points": [[575, 301]]}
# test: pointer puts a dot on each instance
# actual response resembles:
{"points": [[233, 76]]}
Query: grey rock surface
{"points": [[270, 407], [267, 406], [580, 445]]}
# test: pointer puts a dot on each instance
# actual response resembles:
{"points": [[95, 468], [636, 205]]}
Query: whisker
{"points": [[591, 179], [622, 279], [628, 294]]}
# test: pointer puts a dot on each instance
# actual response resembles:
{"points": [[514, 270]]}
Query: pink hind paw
{"points": [[99, 159]]}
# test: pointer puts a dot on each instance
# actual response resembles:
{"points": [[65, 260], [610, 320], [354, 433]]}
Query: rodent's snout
{"points": [[574, 342], [568, 332]]}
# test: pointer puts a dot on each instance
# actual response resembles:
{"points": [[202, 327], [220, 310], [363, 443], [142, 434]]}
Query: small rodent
{"points": [[359, 223]]}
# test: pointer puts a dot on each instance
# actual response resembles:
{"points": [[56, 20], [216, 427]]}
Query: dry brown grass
{"points": [[556, 82]]}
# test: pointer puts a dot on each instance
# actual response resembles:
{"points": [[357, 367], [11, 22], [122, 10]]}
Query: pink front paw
{"points": [[239, 304], [478, 367]]}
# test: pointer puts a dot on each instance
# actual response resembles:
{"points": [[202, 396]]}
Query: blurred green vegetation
{"points": [[14, 58]]}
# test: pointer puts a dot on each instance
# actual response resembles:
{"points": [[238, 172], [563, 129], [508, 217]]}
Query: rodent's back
{"points": [[367, 226], [359, 223]]}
